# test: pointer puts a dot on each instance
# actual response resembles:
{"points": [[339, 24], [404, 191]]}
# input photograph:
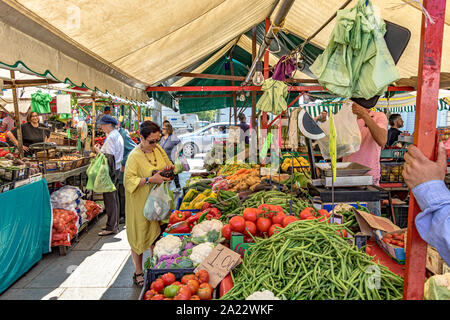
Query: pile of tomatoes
{"points": [[396, 239], [267, 220], [191, 287]]}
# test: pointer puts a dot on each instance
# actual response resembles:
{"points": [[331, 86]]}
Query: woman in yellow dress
{"points": [[138, 180]]}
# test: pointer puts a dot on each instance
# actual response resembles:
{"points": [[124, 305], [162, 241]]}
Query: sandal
{"points": [[136, 282], [106, 233]]}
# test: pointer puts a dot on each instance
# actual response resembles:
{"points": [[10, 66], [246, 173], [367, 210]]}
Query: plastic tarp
{"points": [[25, 230]]}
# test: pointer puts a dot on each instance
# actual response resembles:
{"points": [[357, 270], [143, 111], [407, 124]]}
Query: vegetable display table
{"points": [[61, 176], [26, 226]]}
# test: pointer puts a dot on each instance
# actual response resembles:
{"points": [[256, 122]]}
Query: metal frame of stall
{"points": [[425, 137]]}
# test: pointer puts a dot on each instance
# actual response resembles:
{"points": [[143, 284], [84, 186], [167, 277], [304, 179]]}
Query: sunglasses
{"points": [[153, 141]]}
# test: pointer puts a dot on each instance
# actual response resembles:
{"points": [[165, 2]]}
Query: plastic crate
{"points": [[153, 274], [391, 172], [8, 174], [401, 215], [6, 187], [393, 153]]}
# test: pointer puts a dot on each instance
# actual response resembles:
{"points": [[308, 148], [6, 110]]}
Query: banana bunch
{"points": [[295, 162]]}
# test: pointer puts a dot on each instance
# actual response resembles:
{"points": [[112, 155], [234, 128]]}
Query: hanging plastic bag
{"points": [[93, 169], [103, 182], [159, 203], [348, 136]]}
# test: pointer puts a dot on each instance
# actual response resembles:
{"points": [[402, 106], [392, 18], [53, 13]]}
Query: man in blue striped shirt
{"points": [[426, 178]]}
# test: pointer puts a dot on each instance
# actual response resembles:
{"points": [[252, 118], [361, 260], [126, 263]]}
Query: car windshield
{"points": [[210, 130]]}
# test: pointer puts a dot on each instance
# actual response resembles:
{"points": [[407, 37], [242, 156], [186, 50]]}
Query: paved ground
{"points": [[95, 268]]}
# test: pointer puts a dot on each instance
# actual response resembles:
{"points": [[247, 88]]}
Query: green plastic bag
{"points": [[103, 182], [93, 169], [356, 62]]}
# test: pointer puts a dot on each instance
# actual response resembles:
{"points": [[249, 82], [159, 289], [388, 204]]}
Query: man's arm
{"points": [[379, 134], [433, 223], [425, 178]]}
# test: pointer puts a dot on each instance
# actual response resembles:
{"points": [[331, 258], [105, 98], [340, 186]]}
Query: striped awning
{"points": [[314, 109], [444, 104]]}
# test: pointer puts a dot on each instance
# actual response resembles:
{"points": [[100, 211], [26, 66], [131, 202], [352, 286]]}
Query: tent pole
{"points": [[17, 114], [234, 92], [425, 137], [253, 119], [93, 121]]}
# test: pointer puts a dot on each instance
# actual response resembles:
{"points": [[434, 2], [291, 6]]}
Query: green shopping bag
{"points": [[103, 182], [93, 169]]}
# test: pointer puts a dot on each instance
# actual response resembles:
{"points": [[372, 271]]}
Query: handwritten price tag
{"points": [[219, 263]]}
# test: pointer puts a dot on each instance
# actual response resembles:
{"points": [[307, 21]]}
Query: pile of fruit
{"points": [[267, 220], [298, 164], [191, 287], [395, 239], [64, 227]]}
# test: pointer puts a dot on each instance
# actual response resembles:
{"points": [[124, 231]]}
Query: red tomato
{"points": [[187, 277], [205, 291], [275, 228], [184, 293], [307, 212], [159, 297], [369, 250], [193, 285], [226, 232], [195, 297], [168, 278], [278, 217], [342, 233], [149, 294], [250, 228], [251, 214], [323, 212], [288, 220], [263, 224], [237, 224], [202, 276], [310, 218], [177, 283], [157, 285]]}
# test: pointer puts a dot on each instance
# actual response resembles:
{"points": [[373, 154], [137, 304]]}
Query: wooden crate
{"points": [[434, 261]]}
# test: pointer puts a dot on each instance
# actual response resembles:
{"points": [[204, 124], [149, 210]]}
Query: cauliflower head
{"points": [[207, 231], [168, 245], [200, 252]]}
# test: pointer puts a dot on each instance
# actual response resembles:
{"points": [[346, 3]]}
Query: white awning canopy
{"points": [[121, 47]]}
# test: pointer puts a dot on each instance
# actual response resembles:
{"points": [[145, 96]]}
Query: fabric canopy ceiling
{"points": [[137, 43]]}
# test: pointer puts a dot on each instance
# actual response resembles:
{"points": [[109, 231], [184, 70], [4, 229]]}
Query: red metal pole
{"points": [[266, 75], [250, 88], [424, 136]]}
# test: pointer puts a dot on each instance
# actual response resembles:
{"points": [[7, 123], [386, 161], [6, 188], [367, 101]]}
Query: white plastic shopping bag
{"points": [[159, 203], [348, 136]]}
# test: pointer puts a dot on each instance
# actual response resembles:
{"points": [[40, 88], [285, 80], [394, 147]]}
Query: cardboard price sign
{"points": [[219, 263]]}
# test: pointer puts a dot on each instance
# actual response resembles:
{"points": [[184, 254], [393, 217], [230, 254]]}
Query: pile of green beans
{"points": [[275, 197], [308, 260]]}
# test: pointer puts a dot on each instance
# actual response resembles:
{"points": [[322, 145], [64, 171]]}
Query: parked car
{"points": [[201, 140]]}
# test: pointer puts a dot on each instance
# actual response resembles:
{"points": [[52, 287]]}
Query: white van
{"points": [[181, 123]]}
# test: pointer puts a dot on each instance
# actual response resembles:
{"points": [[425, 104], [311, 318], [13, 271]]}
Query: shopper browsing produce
{"points": [[170, 144], [32, 132], [113, 149], [373, 128], [138, 181], [128, 146], [425, 178]]}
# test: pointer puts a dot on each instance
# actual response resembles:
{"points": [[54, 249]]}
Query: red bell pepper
{"points": [[192, 219], [177, 216], [181, 227]]}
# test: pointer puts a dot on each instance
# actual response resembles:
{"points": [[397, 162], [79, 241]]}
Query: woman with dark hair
{"points": [[169, 143], [32, 132], [138, 181]]}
